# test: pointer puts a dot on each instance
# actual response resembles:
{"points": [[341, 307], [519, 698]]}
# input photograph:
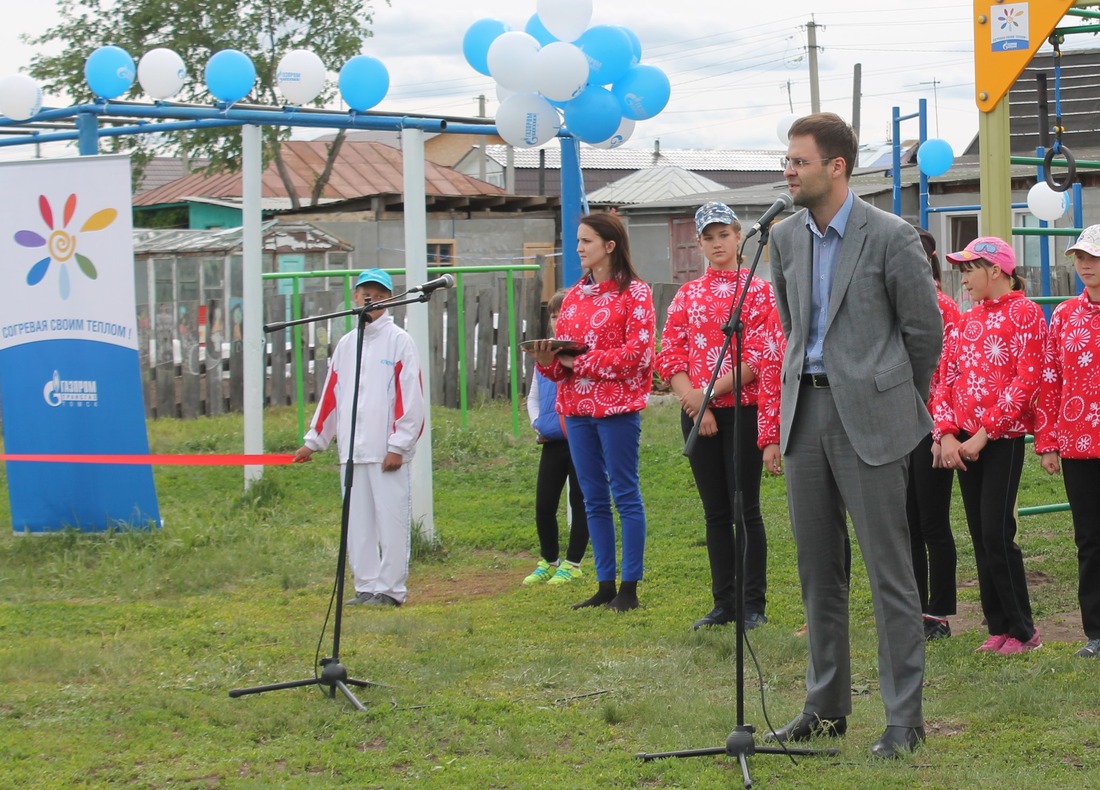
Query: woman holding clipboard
{"points": [[601, 393]]}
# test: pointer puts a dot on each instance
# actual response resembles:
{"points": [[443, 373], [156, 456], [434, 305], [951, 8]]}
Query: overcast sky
{"points": [[736, 66]]}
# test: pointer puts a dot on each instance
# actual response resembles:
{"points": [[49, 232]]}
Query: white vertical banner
{"points": [[69, 374]]}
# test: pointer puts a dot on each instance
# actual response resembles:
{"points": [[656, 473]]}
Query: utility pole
{"points": [[811, 43], [790, 99], [857, 96], [935, 102], [483, 141]]}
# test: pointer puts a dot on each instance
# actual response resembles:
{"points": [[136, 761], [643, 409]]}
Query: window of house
{"points": [[441, 252]]}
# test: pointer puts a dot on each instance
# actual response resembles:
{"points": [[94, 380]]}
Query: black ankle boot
{"points": [[627, 598], [604, 594]]}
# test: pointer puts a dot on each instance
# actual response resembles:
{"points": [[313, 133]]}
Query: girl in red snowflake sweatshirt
{"points": [[989, 377], [1067, 423]]}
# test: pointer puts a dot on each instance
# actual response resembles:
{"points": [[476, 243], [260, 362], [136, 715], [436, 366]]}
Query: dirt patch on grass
{"points": [[485, 575], [1057, 627]]}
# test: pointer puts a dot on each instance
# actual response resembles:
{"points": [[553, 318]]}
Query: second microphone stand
{"points": [[741, 742], [334, 675]]}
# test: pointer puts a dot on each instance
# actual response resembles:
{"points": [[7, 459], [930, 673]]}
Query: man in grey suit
{"points": [[858, 307]]}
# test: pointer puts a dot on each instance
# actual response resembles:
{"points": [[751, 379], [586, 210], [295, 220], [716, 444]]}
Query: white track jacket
{"points": [[391, 397]]}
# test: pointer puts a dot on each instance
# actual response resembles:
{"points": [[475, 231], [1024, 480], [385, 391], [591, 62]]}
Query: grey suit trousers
{"points": [[826, 478]]}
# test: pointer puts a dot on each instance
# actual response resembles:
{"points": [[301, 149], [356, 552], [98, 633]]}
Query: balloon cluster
{"points": [[230, 75], [559, 70]]}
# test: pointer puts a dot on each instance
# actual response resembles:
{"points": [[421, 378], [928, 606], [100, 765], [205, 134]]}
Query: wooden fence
{"points": [[187, 373]]}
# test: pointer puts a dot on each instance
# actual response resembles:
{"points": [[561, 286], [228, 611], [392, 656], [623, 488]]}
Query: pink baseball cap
{"points": [[994, 251]]}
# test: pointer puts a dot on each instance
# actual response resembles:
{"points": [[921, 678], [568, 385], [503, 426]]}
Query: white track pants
{"points": [[379, 531]]}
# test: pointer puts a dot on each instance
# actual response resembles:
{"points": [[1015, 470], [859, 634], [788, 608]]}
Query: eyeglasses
{"points": [[985, 246], [798, 164]]}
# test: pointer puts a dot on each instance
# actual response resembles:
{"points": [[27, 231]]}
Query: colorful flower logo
{"points": [[61, 244], [1010, 18]]}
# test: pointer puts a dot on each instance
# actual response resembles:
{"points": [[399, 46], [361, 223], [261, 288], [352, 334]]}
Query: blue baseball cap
{"points": [[375, 276], [712, 212]]}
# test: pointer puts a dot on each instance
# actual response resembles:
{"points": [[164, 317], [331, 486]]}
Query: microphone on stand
{"points": [[446, 281], [782, 203]]}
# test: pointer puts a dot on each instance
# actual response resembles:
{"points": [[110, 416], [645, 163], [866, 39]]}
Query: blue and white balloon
{"points": [[230, 75], [300, 76], [161, 73], [20, 97], [643, 92], [565, 19], [609, 51], [561, 71], [109, 72], [935, 157], [479, 37], [594, 116], [364, 82], [526, 120], [622, 134], [511, 61]]}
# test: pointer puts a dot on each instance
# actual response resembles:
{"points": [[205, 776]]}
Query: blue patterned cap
{"points": [[712, 212], [375, 276]]}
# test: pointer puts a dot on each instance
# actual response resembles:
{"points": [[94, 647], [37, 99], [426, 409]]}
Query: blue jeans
{"points": [[605, 455]]}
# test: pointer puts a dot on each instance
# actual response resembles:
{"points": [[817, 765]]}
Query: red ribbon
{"points": [[153, 459]]}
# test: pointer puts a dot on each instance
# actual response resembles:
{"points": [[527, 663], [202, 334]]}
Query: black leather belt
{"points": [[818, 381]]}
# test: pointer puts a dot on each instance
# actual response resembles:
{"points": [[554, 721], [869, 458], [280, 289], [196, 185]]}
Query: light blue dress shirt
{"points": [[826, 248]]}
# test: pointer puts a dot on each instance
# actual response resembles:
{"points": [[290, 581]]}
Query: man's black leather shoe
{"points": [[716, 616], [809, 725], [897, 740]]}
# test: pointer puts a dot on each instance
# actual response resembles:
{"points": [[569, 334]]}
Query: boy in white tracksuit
{"points": [[389, 420]]}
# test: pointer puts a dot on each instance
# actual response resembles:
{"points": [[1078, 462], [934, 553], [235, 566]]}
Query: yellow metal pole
{"points": [[996, 189]]}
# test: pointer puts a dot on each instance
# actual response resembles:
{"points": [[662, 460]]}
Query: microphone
{"points": [[446, 281], [782, 203]]}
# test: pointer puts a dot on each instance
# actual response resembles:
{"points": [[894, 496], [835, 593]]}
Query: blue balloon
{"points": [[536, 30], [479, 36], [364, 81], [635, 45], [643, 92], [109, 72], [230, 75], [594, 115], [609, 53], [935, 157]]}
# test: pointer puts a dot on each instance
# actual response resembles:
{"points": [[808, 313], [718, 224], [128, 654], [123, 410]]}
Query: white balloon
{"points": [[565, 19], [622, 134], [161, 73], [526, 120], [1045, 203], [561, 71], [20, 97], [511, 60], [300, 76], [783, 128]]}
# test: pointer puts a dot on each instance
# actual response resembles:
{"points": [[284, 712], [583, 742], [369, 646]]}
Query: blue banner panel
{"points": [[75, 396]]}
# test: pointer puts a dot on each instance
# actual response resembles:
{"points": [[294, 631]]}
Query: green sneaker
{"points": [[542, 573], [567, 572]]}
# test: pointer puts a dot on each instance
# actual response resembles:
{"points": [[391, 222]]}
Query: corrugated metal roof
{"points": [[640, 158], [657, 183], [277, 237], [361, 169]]}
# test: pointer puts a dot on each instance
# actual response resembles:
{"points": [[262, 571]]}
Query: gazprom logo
{"points": [[531, 129], [64, 392]]}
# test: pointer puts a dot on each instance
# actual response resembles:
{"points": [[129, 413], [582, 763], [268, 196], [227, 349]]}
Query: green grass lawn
{"points": [[117, 652]]}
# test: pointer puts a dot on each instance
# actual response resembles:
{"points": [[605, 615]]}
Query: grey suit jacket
{"points": [[883, 332]]}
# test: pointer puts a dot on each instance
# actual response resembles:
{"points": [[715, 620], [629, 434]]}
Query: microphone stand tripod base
{"points": [[334, 675]]}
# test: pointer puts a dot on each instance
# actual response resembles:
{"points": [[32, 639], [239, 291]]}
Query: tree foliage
{"points": [[196, 29]]}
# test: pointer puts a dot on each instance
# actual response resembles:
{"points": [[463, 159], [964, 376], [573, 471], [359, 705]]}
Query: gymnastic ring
{"points": [[1071, 169]]}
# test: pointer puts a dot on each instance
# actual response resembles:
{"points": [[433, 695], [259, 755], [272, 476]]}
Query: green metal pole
{"points": [[298, 351], [461, 351], [1039, 509], [513, 360]]}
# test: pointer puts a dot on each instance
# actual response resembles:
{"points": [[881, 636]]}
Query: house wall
{"points": [[203, 216], [486, 240]]}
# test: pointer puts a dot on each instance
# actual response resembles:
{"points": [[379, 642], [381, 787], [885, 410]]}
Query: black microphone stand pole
{"points": [[740, 743], [333, 674]]}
